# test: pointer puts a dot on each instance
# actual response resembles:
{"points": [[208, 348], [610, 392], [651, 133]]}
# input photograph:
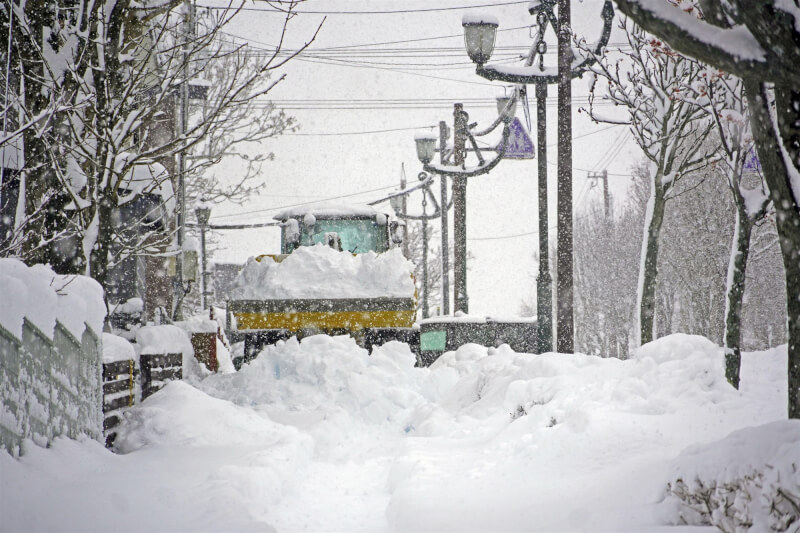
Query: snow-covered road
{"points": [[318, 436]]}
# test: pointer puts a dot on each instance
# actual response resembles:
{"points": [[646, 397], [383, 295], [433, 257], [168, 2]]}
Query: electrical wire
{"points": [[273, 9], [357, 132], [269, 209]]}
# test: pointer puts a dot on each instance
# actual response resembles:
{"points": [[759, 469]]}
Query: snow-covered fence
{"points": [[49, 385], [50, 355], [158, 369], [120, 382], [163, 351]]}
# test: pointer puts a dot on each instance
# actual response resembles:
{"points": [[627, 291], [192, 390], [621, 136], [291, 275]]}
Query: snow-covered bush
{"points": [[749, 481]]}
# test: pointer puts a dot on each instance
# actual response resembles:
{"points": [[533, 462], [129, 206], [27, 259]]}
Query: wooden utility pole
{"points": [[606, 198], [565, 328]]}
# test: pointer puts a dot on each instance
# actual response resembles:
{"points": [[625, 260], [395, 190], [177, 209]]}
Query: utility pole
{"points": [[183, 123], [403, 207], [565, 334], [544, 281], [460, 299], [606, 199], [443, 135], [479, 38], [425, 309]]}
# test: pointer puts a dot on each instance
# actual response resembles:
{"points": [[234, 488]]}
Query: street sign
{"points": [[519, 144]]}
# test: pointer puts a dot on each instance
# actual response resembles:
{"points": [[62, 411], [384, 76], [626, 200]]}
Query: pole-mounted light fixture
{"points": [[477, 34], [480, 31], [507, 108], [426, 146], [203, 213]]}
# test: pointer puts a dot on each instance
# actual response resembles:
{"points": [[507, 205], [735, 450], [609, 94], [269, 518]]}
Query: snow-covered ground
{"points": [[319, 436]]}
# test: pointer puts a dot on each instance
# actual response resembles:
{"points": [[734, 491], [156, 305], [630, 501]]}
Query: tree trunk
{"points": [[648, 269], [35, 97], [737, 267], [778, 173], [98, 265]]}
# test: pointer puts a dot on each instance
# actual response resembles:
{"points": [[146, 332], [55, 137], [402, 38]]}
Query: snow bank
{"points": [[322, 272], [318, 436], [322, 374], [181, 415], [43, 297]]}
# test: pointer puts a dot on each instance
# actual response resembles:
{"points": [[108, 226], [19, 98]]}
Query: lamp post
{"points": [[398, 203], [479, 37], [426, 149], [203, 214]]}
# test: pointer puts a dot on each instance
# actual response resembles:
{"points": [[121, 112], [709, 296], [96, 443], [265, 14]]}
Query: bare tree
{"points": [[756, 41], [113, 73], [722, 97], [645, 78], [239, 137]]}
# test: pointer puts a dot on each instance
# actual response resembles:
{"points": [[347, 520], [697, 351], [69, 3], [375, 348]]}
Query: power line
{"points": [[267, 210], [274, 9], [381, 103], [357, 132], [247, 40]]}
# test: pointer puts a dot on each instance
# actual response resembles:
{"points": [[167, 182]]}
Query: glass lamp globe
{"points": [[479, 35]]}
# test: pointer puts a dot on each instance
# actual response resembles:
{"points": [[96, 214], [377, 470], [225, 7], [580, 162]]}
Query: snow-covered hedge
{"points": [[749, 481]]}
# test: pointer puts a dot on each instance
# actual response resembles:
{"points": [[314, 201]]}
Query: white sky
{"points": [[312, 166]]}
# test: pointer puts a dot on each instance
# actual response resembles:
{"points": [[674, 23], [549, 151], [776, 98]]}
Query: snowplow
{"points": [[340, 271]]}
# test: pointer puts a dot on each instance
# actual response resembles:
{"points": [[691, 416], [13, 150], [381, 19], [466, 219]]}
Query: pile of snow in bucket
{"points": [[318, 435], [322, 272]]}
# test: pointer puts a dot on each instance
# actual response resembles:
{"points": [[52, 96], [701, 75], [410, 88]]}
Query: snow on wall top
{"points": [[163, 339], [460, 317], [327, 210], [43, 297], [116, 348], [322, 272]]}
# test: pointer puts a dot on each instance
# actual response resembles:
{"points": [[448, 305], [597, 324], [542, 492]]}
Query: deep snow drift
{"points": [[319, 436]]}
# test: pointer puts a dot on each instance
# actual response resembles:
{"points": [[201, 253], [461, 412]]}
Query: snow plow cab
{"points": [[339, 272]]}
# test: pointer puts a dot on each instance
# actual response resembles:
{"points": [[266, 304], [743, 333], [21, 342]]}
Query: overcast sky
{"points": [[402, 70]]}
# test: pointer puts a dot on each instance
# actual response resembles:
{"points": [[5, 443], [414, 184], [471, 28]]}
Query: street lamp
{"points": [[479, 51], [426, 146], [479, 34], [507, 108], [203, 213], [396, 201], [462, 132]]}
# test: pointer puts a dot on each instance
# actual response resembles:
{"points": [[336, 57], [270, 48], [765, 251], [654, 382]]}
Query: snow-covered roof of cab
{"points": [[328, 210]]}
